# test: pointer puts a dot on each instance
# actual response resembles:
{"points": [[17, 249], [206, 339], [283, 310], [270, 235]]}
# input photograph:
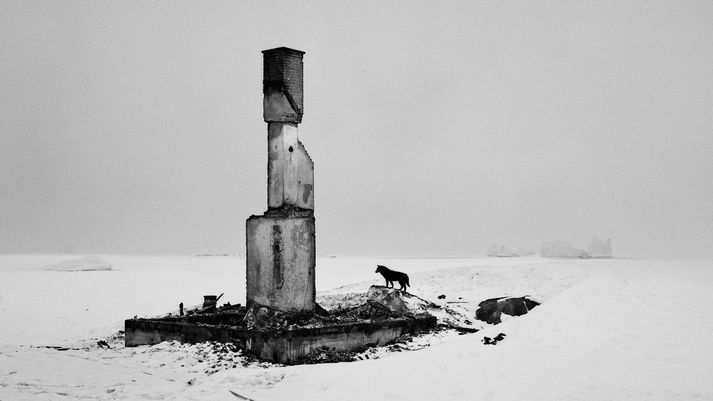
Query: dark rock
{"points": [[530, 303], [442, 296], [513, 306], [490, 301], [490, 310], [493, 341]]}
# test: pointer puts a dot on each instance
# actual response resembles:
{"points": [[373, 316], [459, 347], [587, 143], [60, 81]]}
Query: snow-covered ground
{"points": [[606, 330]]}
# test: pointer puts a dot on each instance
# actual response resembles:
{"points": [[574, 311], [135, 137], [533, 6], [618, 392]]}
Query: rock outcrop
{"points": [[491, 310]]}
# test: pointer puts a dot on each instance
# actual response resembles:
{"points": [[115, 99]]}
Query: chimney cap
{"points": [[283, 49]]}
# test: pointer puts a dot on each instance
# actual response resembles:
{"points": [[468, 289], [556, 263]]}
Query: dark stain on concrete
{"points": [[277, 248], [306, 192]]}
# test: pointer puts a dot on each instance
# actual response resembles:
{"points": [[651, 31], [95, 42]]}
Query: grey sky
{"points": [[437, 128]]}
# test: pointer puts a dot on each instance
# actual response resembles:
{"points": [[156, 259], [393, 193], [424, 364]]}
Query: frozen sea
{"points": [[608, 329]]}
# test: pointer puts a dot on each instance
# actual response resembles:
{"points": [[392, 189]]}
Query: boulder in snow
{"points": [[490, 310]]}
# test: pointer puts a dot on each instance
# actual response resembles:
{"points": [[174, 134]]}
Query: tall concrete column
{"points": [[281, 242]]}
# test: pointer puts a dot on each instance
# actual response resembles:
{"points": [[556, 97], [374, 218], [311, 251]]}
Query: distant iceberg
{"points": [[599, 249], [561, 249], [503, 251], [90, 263]]}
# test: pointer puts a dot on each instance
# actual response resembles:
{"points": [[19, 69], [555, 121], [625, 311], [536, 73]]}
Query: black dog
{"points": [[390, 276]]}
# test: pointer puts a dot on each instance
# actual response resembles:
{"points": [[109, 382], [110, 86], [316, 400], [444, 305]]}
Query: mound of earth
{"points": [[378, 303]]}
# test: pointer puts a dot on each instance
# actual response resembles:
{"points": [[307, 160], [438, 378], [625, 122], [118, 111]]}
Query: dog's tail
{"points": [[407, 283]]}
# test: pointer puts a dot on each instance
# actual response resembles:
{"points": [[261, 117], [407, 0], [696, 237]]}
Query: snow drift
{"points": [[90, 263]]}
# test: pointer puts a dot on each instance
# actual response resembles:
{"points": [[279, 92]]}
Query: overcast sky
{"points": [[436, 128]]}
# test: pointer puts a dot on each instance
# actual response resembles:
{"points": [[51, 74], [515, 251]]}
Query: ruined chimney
{"points": [[282, 85], [290, 170], [281, 242]]}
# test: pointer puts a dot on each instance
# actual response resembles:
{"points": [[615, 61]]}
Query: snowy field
{"points": [[606, 330]]}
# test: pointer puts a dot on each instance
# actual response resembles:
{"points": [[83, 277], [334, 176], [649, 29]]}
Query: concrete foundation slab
{"points": [[277, 345]]}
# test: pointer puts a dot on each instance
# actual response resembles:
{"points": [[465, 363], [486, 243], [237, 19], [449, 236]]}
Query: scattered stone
{"points": [[382, 303], [442, 296], [103, 344], [263, 317], [328, 355], [493, 341]]}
